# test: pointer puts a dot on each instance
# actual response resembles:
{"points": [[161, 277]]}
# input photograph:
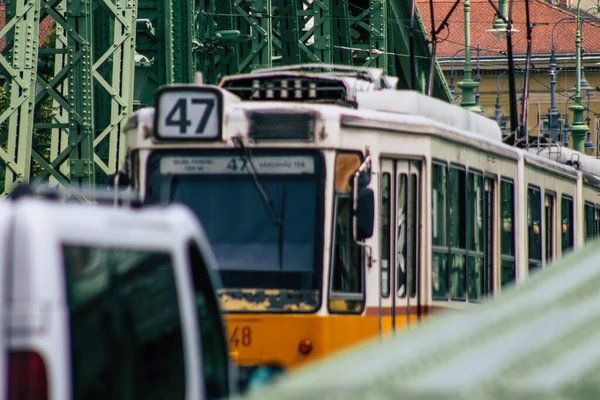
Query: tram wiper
{"points": [[282, 216], [247, 157]]}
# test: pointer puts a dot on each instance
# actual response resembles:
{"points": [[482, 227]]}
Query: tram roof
{"points": [[362, 88], [538, 340]]}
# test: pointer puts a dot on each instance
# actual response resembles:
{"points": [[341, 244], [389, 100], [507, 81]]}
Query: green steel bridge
{"points": [[68, 95]]}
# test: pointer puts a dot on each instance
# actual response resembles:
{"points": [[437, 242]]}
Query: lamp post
{"points": [[468, 85], [553, 113], [503, 29], [498, 108], [578, 128], [478, 79], [453, 73], [589, 145], [500, 27]]}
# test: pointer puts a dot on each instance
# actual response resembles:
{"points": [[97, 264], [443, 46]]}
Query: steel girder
{"points": [[400, 15], [239, 35], [89, 74], [166, 36], [19, 64], [85, 78]]}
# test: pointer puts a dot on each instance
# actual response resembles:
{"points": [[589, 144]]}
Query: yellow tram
{"points": [[339, 208]]}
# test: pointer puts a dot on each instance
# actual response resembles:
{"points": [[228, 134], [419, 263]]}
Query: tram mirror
{"points": [[365, 208]]}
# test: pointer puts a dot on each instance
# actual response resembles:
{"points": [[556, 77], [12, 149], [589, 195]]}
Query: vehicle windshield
{"points": [[264, 223]]}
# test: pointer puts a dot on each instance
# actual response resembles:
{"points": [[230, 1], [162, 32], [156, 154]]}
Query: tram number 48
{"points": [[241, 336], [178, 116]]}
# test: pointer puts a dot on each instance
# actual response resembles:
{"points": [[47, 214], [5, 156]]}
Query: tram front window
{"points": [[263, 215]]}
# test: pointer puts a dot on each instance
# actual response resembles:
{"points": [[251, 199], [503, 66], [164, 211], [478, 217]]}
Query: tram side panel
{"points": [[473, 211], [550, 198], [590, 203]]}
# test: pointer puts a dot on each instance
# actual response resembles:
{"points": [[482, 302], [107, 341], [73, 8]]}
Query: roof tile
{"points": [[542, 15]]}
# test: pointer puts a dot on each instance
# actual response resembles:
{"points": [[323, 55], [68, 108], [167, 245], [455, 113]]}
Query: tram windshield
{"points": [[263, 214]]}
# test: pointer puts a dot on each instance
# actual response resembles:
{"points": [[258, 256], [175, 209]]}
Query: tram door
{"points": [[400, 200]]}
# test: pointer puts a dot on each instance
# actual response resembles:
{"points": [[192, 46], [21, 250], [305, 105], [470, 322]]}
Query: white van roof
{"points": [[44, 225]]}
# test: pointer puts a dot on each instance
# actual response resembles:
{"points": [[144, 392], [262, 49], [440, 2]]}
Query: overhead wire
{"points": [[403, 23]]}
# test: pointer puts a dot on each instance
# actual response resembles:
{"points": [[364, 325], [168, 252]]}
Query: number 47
{"points": [[178, 116]]}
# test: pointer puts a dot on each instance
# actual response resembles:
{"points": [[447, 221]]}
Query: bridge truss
{"points": [[68, 95]]}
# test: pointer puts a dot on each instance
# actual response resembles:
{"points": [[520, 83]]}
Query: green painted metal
{"points": [[578, 128], [63, 115], [276, 32], [468, 85], [19, 64], [242, 35], [401, 10], [166, 36], [84, 83]]}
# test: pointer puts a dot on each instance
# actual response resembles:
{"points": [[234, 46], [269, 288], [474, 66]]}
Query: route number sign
{"points": [[188, 112]]}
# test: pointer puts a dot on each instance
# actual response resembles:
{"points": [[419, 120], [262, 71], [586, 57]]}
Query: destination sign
{"points": [[295, 165]]}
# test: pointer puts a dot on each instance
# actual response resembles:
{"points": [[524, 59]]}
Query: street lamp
{"points": [[468, 85], [453, 73], [140, 77], [498, 109], [504, 20], [585, 85], [500, 27], [589, 145], [478, 79], [553, 113], [565, 130], [578, 128]]}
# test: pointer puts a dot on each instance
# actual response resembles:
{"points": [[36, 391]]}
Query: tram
{"points": [[339, 208]]}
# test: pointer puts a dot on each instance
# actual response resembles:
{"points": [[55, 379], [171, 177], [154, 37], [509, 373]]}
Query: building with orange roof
{"points": [[553, 24]]}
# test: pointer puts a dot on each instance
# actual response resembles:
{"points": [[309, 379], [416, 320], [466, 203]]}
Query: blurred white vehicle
{"points": [[109, 303]]}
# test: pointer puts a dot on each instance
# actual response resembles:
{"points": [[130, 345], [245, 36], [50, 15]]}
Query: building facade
{"points": [[553, 32]]}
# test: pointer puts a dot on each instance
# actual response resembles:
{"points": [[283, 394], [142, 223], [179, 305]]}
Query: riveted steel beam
{"points": [[91, 89], [19, 63], [166, 36], [399, 43], [65, 109]]}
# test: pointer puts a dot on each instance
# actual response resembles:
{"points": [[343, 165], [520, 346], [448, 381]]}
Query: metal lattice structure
{"points": [[66, 102], [240, 35], [83, 80]]}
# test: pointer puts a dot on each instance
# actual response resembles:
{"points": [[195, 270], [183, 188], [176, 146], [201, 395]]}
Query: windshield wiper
{"points": [[282, 216], [247, 157]]}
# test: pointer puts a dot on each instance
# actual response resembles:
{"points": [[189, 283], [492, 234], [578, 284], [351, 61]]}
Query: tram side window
{"points": [[597, 220], [457, 232], [413, 221], [549, 225], [475, 272], [440, 243], [590, 221], [385, 234], [347, 272], [567, 239], [402, 221], [507, 238], [534, 204]]}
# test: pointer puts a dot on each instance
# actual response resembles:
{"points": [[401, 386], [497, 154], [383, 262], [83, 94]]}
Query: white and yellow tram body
{"points": [[458, 214]]}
